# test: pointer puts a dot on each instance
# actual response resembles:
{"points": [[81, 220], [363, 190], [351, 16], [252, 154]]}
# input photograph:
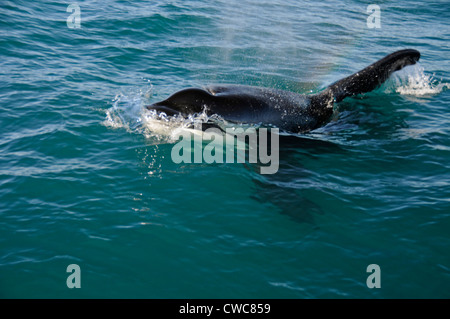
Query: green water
{"points": [[84, 180]]}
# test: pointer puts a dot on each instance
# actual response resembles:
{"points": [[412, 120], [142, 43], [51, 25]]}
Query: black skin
{"points": [[291, 112]]}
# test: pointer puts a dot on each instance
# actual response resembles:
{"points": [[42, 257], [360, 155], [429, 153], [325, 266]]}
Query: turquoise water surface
{"points": [[87, 178]]}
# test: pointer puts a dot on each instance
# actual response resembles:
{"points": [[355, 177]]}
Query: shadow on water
{"points": [[285, 189], [373, 119]]}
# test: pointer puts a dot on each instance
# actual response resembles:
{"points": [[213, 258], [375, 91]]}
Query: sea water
{"points": [[87, 177]]}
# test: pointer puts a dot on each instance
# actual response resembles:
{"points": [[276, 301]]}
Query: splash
{"points": [[126, 110], [129, 112], [167, 128], [413, 81]]}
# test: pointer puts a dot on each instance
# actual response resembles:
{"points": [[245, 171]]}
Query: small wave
{"points": [[413, 81]]}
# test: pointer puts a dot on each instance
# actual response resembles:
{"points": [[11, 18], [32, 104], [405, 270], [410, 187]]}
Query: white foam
{"points": [[129, 112], [413, 81], [126, 110]]}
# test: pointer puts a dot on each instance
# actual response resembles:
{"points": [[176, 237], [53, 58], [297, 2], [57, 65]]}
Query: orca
{"points": [[288, 111]]}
